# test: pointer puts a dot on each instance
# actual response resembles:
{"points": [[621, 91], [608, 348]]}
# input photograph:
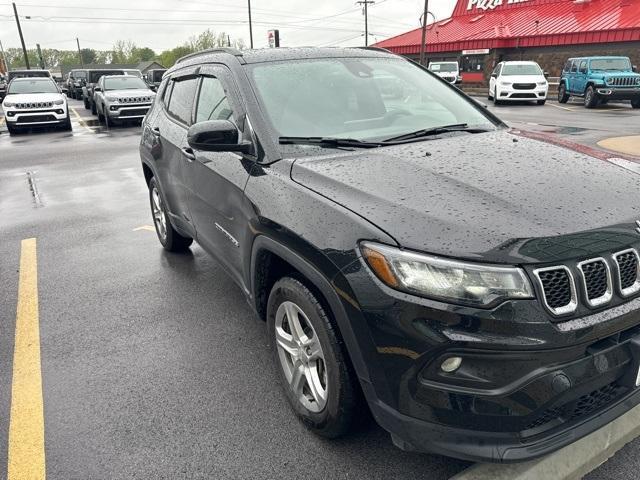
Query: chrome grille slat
{"points": [[558, 289], [596, 278], [628, 268]]}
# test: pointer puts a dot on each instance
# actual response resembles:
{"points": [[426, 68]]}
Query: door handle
{"points": [[188, 153]]}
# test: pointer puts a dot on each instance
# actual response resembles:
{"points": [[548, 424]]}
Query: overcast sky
{"points": [[163, 24]]}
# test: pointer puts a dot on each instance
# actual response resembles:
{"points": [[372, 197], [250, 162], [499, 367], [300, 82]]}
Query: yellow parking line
{"points": [[1, 120], [26, 423], [80, 120]]}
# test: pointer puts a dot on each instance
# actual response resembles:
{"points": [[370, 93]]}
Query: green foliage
{"points": [[123, 51]]}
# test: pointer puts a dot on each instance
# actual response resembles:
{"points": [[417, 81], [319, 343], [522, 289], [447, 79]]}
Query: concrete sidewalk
{"points": [[626, 145]]}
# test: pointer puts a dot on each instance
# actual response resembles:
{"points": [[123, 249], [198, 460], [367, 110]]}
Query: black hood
{"points": [[490, 196]]}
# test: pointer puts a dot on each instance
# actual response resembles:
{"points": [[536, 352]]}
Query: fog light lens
{"points": [[451, 364]]}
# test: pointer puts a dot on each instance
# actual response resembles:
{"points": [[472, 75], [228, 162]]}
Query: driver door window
{"points": [[212, 101]]}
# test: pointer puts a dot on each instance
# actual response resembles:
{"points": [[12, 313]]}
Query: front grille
{"points": [[623, 81], [135, 100], [558, 289], [134, 112], [582, 407], [597, 281], [524, 86], [24, 106], [627, 263], [36, 118]]}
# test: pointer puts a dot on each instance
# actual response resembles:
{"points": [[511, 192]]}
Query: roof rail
{"points": [[229, 50], [376, 49]]}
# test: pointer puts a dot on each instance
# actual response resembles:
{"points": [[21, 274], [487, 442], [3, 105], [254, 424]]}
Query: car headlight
{"points": [[9, 104], [505, 83], [111, 99], [443, 279], [58, 102]]}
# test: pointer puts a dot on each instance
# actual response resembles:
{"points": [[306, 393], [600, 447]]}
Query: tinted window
{"points": [[95, 76], [567, 66], [611, 64], [583, 66], [574, 66], [212, 102], [181, 101]]}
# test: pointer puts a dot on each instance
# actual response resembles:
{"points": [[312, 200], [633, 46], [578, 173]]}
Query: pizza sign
{"points": [[490, 4]]}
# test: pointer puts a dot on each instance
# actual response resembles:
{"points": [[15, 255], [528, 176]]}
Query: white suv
{"points": [[33, 102], [449, 71], [518, 81]]}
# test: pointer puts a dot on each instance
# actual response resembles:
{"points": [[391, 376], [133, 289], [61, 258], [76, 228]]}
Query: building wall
{"points": [[551, 59]]}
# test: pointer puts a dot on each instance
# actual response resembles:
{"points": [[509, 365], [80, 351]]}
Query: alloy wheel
{"points": [[301, 356], [159, 217]]}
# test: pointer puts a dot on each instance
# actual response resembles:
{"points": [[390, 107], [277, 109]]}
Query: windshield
{"points": [[95, 76], [157, 75], [358, 98], [616, 64], [521, 69], [123, 83], [78, 75], [36, 85], [443, 67]]}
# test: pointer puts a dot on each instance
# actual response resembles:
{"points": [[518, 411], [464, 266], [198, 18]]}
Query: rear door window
{"points": [[181, 100]]}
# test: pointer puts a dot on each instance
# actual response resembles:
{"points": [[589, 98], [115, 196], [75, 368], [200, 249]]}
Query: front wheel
{"points": [[635, 103], [94, 109], [312, 365], [590, 98], [541, 102], [87, 106], [12, 130], [170, 239], [563, 96]]}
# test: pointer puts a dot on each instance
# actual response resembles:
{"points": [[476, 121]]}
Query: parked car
{"points": [[122, 97], [518, 81], [449, 71], [154, 77], [74, 83], [32, 102], [478, 289], [27, 73], [3, 86], [89, 84], [598, 80]]}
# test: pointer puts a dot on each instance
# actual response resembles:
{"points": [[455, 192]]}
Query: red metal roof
{"points": [[527, 23]]}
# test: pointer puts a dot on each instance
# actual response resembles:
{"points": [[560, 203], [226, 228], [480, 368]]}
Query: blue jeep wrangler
{"points": [[598, 80]]}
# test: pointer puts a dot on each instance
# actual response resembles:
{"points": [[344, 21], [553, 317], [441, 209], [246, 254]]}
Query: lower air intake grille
{"points": [[558, 289]]}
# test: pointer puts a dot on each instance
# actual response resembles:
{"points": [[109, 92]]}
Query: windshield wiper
{"points": [[426, 132], [328, 142]]}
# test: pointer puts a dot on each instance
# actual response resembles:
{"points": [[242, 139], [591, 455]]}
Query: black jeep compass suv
{"points": [[477, 289]]}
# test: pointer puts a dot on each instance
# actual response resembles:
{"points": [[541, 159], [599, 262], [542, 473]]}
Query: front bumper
{"points": [[118, 111], [614, 93], [526, 385], [509, 93], [48, 116]]}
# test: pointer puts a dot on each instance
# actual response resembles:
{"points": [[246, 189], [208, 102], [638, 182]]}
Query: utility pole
{"points": [[424, 31], [4, 58], [250, 26], [42, 66], [80, 53], [24, 49], [366, 19], [228, 40]]}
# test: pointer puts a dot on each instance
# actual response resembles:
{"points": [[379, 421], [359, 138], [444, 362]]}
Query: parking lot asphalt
{"points": [[153, 366]]}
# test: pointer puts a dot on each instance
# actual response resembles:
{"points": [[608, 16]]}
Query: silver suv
{"points": [[122, 97]]}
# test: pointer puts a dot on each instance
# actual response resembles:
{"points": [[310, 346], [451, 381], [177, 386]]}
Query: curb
{"points": [[569, 463]]}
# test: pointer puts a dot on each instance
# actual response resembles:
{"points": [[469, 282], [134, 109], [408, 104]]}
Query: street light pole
{"points": [[250, 26], [4, 57], [366, 19], [424, 32], [40, 56], [80, 53], [24, 49]]}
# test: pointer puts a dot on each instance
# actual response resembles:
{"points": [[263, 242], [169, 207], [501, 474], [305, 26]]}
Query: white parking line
{"points": [[81, 121], [563, 108]]}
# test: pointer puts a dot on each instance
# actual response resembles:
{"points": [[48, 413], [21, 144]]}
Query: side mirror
{"points": [[635, 68], [97, 89], [546, 74], [494, 75], [65, 90], [217, 136]]}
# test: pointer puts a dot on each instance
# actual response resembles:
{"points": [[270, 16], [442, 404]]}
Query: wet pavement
{"points": [[153, 366]]}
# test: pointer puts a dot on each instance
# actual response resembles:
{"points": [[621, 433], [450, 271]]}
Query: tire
{"points": [[489, 96], [12, 130], [87, 106], [541, 102], [590, 98], [635, 103], [563, 96], [169, 238], [94, 109], [66, 126], [339, 401]]}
